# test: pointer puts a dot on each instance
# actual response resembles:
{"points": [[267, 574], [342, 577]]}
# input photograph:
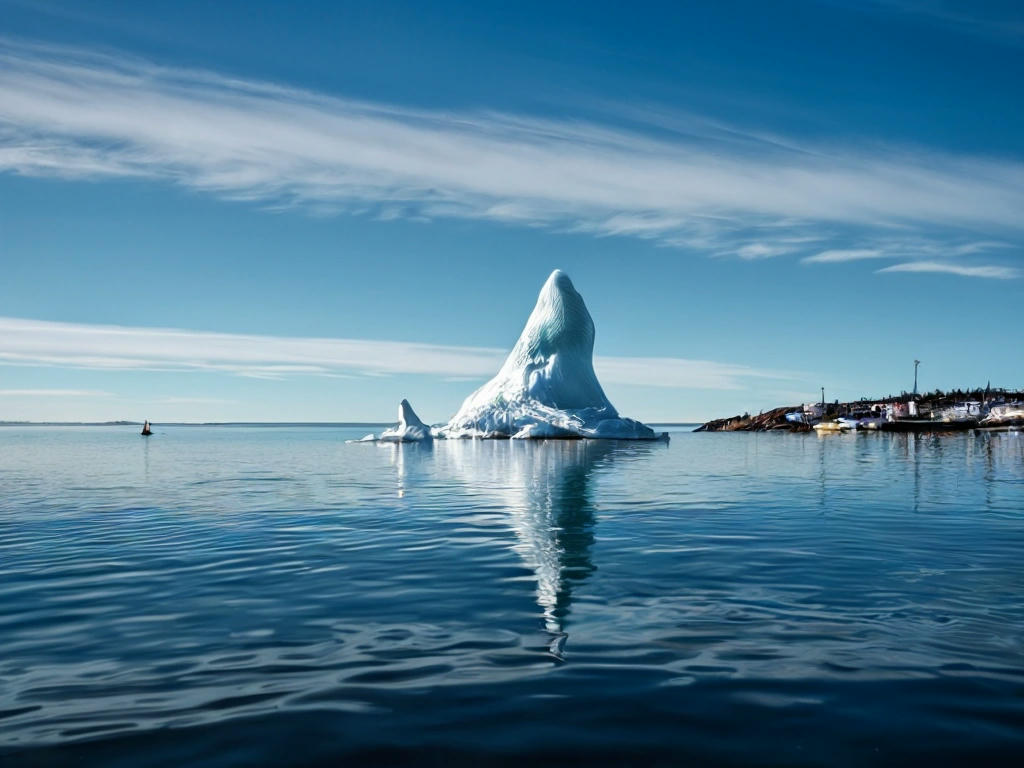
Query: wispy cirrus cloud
{"points": [[839, 256], [682, 373], [113, 347], [752, 251], [108, 347], [73, 114], [53, 393], [177, 400], [993, 272], [920, 255]]}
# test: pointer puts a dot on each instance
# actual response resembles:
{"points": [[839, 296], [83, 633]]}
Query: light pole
{"points": [[916, 363]]}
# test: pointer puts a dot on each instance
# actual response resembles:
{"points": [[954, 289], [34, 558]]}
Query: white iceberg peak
{"points": [[547, 386], [407, 416], [409, 429]]}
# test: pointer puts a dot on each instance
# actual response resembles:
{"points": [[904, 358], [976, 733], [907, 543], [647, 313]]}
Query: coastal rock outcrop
{"points": [[767, 420]]}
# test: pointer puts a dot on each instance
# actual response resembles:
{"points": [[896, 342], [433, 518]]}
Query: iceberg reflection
{"points": [[547, 489], [407, 459]]}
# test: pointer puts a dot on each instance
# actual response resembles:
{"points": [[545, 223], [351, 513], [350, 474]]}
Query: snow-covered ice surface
{"points": [[547, 386]]}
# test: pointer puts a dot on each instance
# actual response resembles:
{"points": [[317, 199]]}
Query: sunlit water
{"points": [[235, 596]]}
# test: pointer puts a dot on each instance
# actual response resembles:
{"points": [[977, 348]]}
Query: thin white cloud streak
{"points": [[53, 393], [966, 249], [838, 256], [753, 251], [920, 255], [68, 113], [194, 401], [116, 348], [988, 271], [681, 373]]}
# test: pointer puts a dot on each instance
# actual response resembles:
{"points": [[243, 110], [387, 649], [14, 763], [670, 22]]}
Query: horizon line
{"points": [[123, 423]]}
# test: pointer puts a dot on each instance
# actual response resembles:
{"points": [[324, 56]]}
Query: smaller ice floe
{"points": [[408, 430]]}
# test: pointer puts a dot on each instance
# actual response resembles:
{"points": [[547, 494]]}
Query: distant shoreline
{"points": [[196, 423], [928, 402], [342, 424]]}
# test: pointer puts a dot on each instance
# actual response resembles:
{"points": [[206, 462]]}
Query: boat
{"points": [[848, 422], [870, 421], [146, 430], [962, 412], [830, 426], [1005, 415]]}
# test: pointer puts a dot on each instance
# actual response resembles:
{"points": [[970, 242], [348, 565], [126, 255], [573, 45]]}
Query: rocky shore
{"points": [[762, 422]]}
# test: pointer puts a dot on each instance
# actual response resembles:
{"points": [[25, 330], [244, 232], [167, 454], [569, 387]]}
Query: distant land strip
{"points": [[345, 424], [928, 402], [196, 423]]}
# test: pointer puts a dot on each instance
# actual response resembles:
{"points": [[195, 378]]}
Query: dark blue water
{"points": [[240, 596]]}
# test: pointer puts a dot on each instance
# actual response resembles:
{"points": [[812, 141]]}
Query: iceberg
{"points": [[547, 387], [409, 428]]}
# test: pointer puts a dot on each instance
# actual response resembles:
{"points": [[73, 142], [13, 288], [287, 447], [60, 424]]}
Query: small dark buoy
{"points": [[146, 431]]}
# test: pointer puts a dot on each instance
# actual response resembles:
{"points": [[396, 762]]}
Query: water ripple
{"points": [[578, 601]]}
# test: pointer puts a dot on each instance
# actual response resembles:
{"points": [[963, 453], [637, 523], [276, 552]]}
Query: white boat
{"points": [[830, 426], [870, 422], [848, 422], [867, 419], [1010, 413], [969, 411]]}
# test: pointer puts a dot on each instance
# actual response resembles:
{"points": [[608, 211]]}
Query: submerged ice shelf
{"points": [[547, 386]]}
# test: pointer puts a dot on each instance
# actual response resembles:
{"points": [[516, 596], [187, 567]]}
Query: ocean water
{"points": [[234, 596]]}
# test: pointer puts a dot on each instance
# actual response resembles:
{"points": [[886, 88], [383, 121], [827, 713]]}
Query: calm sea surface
{"points": [[231, 596]]}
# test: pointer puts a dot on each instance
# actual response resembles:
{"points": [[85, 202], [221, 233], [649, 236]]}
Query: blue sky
{"points": [[253, 211]]}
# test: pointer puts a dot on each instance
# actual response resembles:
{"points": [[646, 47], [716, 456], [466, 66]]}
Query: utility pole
{"points": [[916, 363]]}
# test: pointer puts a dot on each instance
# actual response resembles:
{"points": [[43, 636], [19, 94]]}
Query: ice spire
{"points": [[407, 416], [547, 386], [409, 429]]}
